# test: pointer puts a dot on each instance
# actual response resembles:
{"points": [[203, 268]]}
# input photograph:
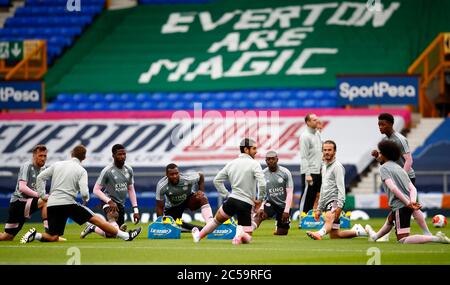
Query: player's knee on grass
{"points": [[281, 232], [112, 215], [334, 234], [197, 200], [6, 236], [401, 237], [260, 216]]}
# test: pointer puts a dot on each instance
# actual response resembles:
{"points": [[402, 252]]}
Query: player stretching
{"points": [[176, 192], [25, 200], [242, 173], [332, 197], [116, 180], [69, 178], [280, 189], [386, 127], [402, 196]]}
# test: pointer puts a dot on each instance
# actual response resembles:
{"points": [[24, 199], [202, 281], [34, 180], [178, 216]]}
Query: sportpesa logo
{"points": [[9, 93], [377, 89]]}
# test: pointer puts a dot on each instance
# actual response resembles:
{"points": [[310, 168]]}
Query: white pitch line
{"points": [[220, 248]]}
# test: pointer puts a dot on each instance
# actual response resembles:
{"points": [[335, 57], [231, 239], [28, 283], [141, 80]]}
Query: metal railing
{"points": [[444, 174], [431, 65]]}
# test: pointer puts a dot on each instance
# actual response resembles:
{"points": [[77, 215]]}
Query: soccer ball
{"points": [[439, 221]]}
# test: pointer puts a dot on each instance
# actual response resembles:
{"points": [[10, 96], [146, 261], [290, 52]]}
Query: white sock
{"points": [[122, 235], [207, 213], [38, 236], [360, 232], [322, 231], [254, 226]]}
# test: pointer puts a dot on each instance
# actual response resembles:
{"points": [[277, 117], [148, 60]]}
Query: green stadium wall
{"points": [[207, 47]]}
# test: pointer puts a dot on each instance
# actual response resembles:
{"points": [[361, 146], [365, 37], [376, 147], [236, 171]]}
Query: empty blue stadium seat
{"points": [[127, 97], [301, 94], [236, 96], [52, 107], [163, 105], [188, 96], [180, 105], [173, 96], [158, 96], [243, 104], [331, 94], [327, 103], [115, 106], [130, 105], [269, 95], [111, 97], [142, 97], [80, 97], [309, 103], [64, 97], [261, 104], [318, 94], [221, 96], [84, 106], [206, 96], [100, 106], [284, 94], [68, 107], [146, 105], [227, 104], [293, 104], [246, 99], [211, 105], [95, 97], [276, 104]]}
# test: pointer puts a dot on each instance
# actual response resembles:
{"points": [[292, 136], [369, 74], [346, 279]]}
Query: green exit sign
{"points": [[11, 50]]}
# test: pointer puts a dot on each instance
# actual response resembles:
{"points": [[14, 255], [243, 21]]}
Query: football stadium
{"points": [[224, 132]]}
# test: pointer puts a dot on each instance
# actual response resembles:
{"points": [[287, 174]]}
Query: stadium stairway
{"points": [[416, 138], [121, 4], [9, 12], [49, 20]]}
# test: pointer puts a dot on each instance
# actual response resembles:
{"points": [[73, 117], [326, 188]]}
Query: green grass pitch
{"points": [[296, 248]]}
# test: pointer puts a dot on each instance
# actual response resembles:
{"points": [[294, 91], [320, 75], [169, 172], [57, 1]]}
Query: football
{"points": [[439, 221]]}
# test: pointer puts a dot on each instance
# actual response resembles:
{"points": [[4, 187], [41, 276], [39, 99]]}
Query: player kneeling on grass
{"points": [[279, 193], [175, 193], [68, 178], [115, 180], [402, 197], [332, 197], [25, 200]]}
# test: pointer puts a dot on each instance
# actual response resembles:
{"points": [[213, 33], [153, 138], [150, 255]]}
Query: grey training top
{"points": [[115, 182], [276, 184], [333, 185], [392, 170], [68, 177], [401, 141], [28, 172], [174, 195], [242, 173], [310, 152]]}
